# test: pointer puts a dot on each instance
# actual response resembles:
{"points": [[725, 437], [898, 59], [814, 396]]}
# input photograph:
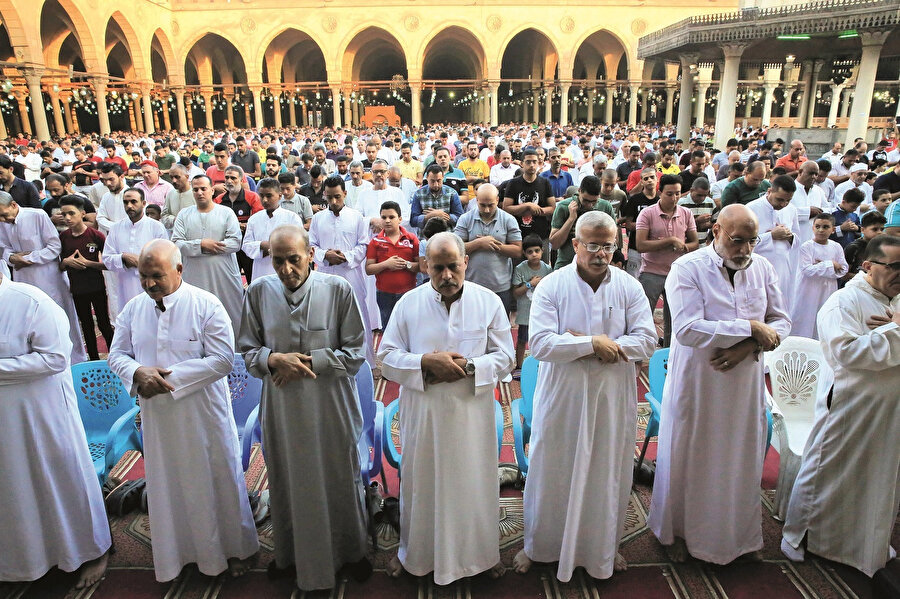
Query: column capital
{"points": [[817, 65], [733, 49], [32, 74], [688, 59], [873, 38]]}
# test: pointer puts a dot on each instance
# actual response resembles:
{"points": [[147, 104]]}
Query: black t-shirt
{"points": [[460, 186], [51, 206], [889, 181], [632, 208], [523, 192], [83, 180], [315, 199], [90, 245], [688, 178]]}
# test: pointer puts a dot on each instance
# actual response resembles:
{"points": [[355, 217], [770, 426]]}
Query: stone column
{"points": [[348, 110], [564, 103], [748, 109], [57, 114], [230, 113], [635, 87], [495, 103], [608, 106], [132, 115], [356, 108], [256, 90], [292, 116], [156, 126], [207, 102], [67, 112], [23, 113], [179, 105], [277, 108], [835, 104], [336, 105], [806, 68], [247, 118], [872, 41], [535, 105], [845, 101], [645, 105], [592, 99], [811, 93], [670, 103], [415, 103], [99, 84], [304, 111], [33, 80], [148, 108], [548, 107], [769, 89], [3, 132], [788, 98], [727, 102], [683, 125], [167, 121], [700, 104]]}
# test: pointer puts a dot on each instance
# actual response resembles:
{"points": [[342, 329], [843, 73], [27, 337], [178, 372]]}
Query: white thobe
{"points": [[353, 192], [216, 273], [847, 185], [847, 493], [259, 227], [176, 201], [500, 173], [53, 512], [782, 253], [712, 433], [34, 235], [449, 491], [803, 200], [585, 415], [126, 237], [199, 511], [348, 232], [111, 210], [816, 281]]}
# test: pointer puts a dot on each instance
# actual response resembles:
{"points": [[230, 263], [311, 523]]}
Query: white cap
{"points": [[858, 167]]}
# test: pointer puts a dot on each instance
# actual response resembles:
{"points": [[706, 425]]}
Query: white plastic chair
{"points": [[798, 372]]}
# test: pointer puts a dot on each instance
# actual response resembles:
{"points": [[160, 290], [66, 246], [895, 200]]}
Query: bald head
{"points": [[161, 250], [446, 242], [159, 268], [289, 234], [735, 215]]}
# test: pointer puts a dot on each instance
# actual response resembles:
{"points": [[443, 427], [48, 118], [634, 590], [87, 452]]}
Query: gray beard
{"points": [[731, 264]]}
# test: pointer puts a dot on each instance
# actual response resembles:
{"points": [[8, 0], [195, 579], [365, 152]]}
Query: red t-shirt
{"points": [[381, 248], [118, 160]]}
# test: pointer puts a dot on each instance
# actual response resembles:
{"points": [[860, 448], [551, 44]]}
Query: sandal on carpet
{"points": [[510, 475], [261, 511], [391, 512], [125, 498]]}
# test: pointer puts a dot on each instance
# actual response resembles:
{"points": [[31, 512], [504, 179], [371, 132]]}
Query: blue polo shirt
{"points": [[559, 183]]}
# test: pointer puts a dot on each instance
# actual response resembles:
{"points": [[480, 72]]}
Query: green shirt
{"points": [[566, 253], [521, 275], [738, 192]]}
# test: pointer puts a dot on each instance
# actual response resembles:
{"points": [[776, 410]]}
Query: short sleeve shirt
{"points": [[566, 253], [490, 269], [522, 192], [521, 275], [381, 248], [90, 245], [659, 226]]}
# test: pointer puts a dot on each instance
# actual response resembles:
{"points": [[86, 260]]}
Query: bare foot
{"points": [[621, 565], [92, 572], [498, 570], [238, 567], [677, 551], [521, 563], [395, 568]]}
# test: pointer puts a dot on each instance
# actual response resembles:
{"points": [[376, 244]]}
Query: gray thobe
{"points": [[217, 273], [310, 427]]}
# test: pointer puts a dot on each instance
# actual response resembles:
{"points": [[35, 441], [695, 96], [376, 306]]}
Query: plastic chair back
{"points": [[246, 391], [797, 370], [657, 372], [370, 442], [528, 383]]}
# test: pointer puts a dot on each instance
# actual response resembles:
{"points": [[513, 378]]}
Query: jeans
{"points": [[386, 302], [83, 304], [654, 287]]}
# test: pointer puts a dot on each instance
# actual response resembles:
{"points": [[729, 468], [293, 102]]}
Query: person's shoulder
{"points": [[201, 296], [264, 284]]}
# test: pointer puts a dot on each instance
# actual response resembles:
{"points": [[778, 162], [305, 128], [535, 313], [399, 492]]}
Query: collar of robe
{"points": [[860, 282], [169, 300]]}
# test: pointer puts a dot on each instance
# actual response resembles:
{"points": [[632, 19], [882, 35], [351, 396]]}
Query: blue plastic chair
{"points": [[246, 392], [394, 457], [658, 370], [521, 411], [370, 442], [252, 433], [107, 413]]}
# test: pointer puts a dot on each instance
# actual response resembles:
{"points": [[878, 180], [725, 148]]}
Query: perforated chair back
{"points": [[246, 391], [528, 383], [370, 442], [657, 371]]}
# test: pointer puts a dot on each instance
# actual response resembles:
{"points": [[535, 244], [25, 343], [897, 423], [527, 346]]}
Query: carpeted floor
{"points": [[650, 575]]}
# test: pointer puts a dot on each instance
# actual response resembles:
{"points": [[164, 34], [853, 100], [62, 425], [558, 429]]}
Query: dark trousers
{"points": [[245, 264], [386, 302], [83, 306]]}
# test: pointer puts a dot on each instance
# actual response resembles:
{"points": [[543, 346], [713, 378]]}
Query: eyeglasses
{"points": [[893, 266], [740, 241], [378, 172], [231, 178], [593, 248]]}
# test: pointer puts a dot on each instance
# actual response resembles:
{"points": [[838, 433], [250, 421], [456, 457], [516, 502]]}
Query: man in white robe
{"points": [[174, 348], [357, 183], [261, 225], [179, 197], [590, 324], [339, 236], [726, 305], [808, 199], [779, 233], [301, 350], [110, 211], [845, 500], [30, 245], [447, 345], [53, 512], [124, 242], [209, 236]]}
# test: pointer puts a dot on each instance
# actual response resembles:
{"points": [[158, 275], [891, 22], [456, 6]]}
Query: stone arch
{"points": [[292, 48], [162, 58], [366, 44], [469, 47], [551, 43], [26, 46], [60, 20], [128, 40], [603, 46], [211, 44], [541, 55], [283, 33]]}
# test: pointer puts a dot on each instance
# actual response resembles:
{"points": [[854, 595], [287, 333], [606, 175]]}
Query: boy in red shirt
{"points": [[392, 257]]}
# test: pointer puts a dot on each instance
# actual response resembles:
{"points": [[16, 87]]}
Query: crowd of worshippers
{"points": [[295, 247]]}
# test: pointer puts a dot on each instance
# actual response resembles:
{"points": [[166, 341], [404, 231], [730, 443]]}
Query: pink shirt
{"points": [[660, 226]]}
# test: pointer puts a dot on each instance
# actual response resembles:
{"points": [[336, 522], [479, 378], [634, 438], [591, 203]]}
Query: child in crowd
{"points": [[392, 258], [153, 211], [845, 218], [822, 263], [872, 224], [80, 258], [433, 226], [526, 277]]}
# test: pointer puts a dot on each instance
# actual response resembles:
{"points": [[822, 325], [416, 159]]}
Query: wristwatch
{"points": [[409, 265], [470, 367], [528, 285]]}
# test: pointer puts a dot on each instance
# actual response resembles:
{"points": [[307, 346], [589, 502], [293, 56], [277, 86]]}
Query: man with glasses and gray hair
{"points": [[590, 324], [726, 308]]}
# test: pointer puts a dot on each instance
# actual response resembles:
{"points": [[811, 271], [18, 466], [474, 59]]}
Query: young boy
{"points": [[153, 211], [392, 256], [292, 201], [526, 277], [872, 224], [846, 220], [822, 263], [80, 258]]}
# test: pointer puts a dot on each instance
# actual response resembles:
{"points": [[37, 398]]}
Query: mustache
{"points": [[448, 284]]}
